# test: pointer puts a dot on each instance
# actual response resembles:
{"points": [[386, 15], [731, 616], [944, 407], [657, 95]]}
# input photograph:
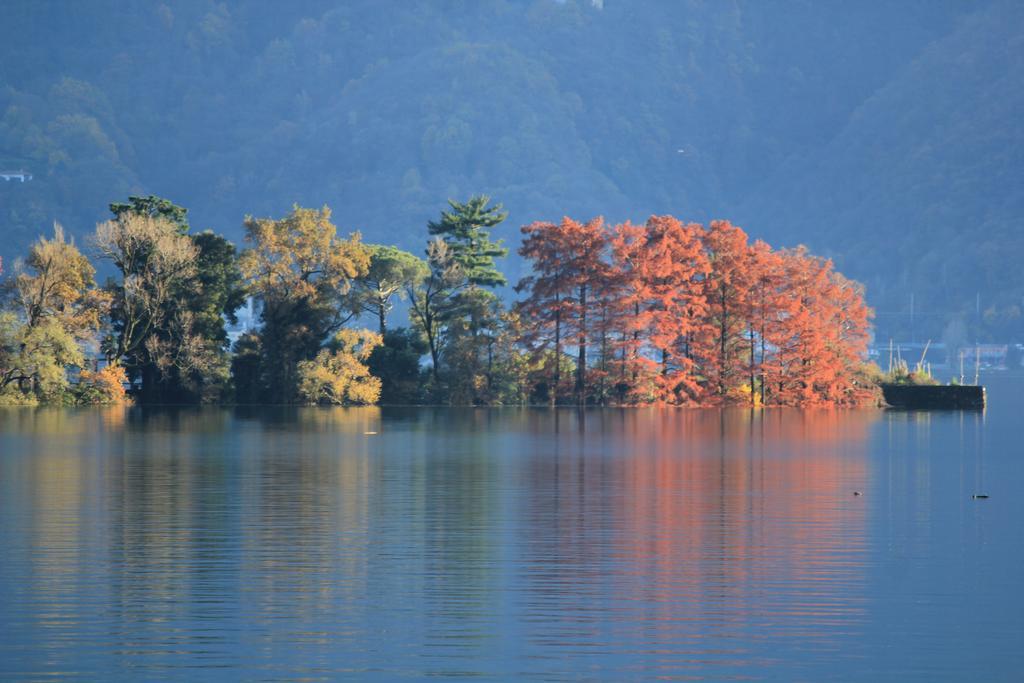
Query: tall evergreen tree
{"points": [[154, 207], [462, 237], [466, 231]]}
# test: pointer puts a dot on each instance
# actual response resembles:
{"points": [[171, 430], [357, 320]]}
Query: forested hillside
{"points": [[884, 137]]}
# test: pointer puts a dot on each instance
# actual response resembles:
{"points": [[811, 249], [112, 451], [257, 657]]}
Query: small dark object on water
{"points": [[928, 397], [980, 495], [857, 493]]}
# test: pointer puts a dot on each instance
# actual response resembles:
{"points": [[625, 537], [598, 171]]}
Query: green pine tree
{"points": [[465, 229], [154, 206]]}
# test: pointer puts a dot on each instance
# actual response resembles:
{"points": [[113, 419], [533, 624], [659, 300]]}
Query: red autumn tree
{"points": [[851, 332], [679, 271], [723, 344], [823, 339], [569, 268], [606, 377], [663, 265], [769, 305], [634, 308], [549, 288], [681, 314], [586, 246]]}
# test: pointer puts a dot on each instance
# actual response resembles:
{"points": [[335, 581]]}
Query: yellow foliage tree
{"points": [[57, 282], [339, 375], [105, 386], [300, 272], [56, 310]]}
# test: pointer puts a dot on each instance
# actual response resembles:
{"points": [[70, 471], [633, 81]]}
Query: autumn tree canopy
{"points": [[660, 313], [170, 305], [53, 306], [690, 315], [300, 271]]}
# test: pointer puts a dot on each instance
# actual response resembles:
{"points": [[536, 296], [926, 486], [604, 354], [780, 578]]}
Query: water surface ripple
{"points": [[268, 544]]}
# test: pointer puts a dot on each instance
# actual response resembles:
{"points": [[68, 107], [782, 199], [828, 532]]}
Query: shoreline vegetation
{"points": [[659, 313]]}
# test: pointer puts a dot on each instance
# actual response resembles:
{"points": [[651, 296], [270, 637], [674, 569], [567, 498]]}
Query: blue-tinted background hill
{"points": [[885, 137]]}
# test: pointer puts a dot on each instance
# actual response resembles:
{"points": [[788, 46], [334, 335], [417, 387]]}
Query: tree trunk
{"points": [[558, 351], [433, 355], [605, 364], [581, 364], [635, 351], [751, 367], [490, 365], [149, 388], [723, 330], [762, 360]]}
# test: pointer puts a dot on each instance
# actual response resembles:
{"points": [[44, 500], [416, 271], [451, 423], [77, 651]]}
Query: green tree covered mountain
{"points": [[884, 137]]}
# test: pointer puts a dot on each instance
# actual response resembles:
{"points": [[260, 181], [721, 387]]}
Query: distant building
{"points": [[987, 355], [248, 321], [911, 352], [21, 175]]}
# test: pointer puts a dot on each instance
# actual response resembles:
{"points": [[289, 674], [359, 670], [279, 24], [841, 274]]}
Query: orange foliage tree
{"points": [[770, 304], [104, 386], [569, 267], [727, 289], [823, 338], [545, 308], [662, 267], [683, 314]]}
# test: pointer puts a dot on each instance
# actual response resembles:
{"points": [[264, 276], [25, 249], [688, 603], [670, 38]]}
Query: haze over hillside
{"points": [[883, 137]]}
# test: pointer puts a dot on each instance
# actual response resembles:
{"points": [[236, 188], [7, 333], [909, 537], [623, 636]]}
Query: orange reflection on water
{"points": [[681, 532], [711, 521], [747, 483]]}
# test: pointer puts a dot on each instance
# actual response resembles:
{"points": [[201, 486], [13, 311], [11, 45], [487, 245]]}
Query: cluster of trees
{"points": [[664, 312], [52, 309], [676, 313], [160, 324]]}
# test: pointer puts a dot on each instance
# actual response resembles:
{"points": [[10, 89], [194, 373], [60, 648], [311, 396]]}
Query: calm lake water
{"points": [[379, 544]]}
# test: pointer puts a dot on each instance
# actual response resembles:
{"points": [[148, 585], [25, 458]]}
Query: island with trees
{"points": [[660, 313]]}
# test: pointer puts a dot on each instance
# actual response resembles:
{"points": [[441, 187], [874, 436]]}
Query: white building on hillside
{"points": [[21, 175]]}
